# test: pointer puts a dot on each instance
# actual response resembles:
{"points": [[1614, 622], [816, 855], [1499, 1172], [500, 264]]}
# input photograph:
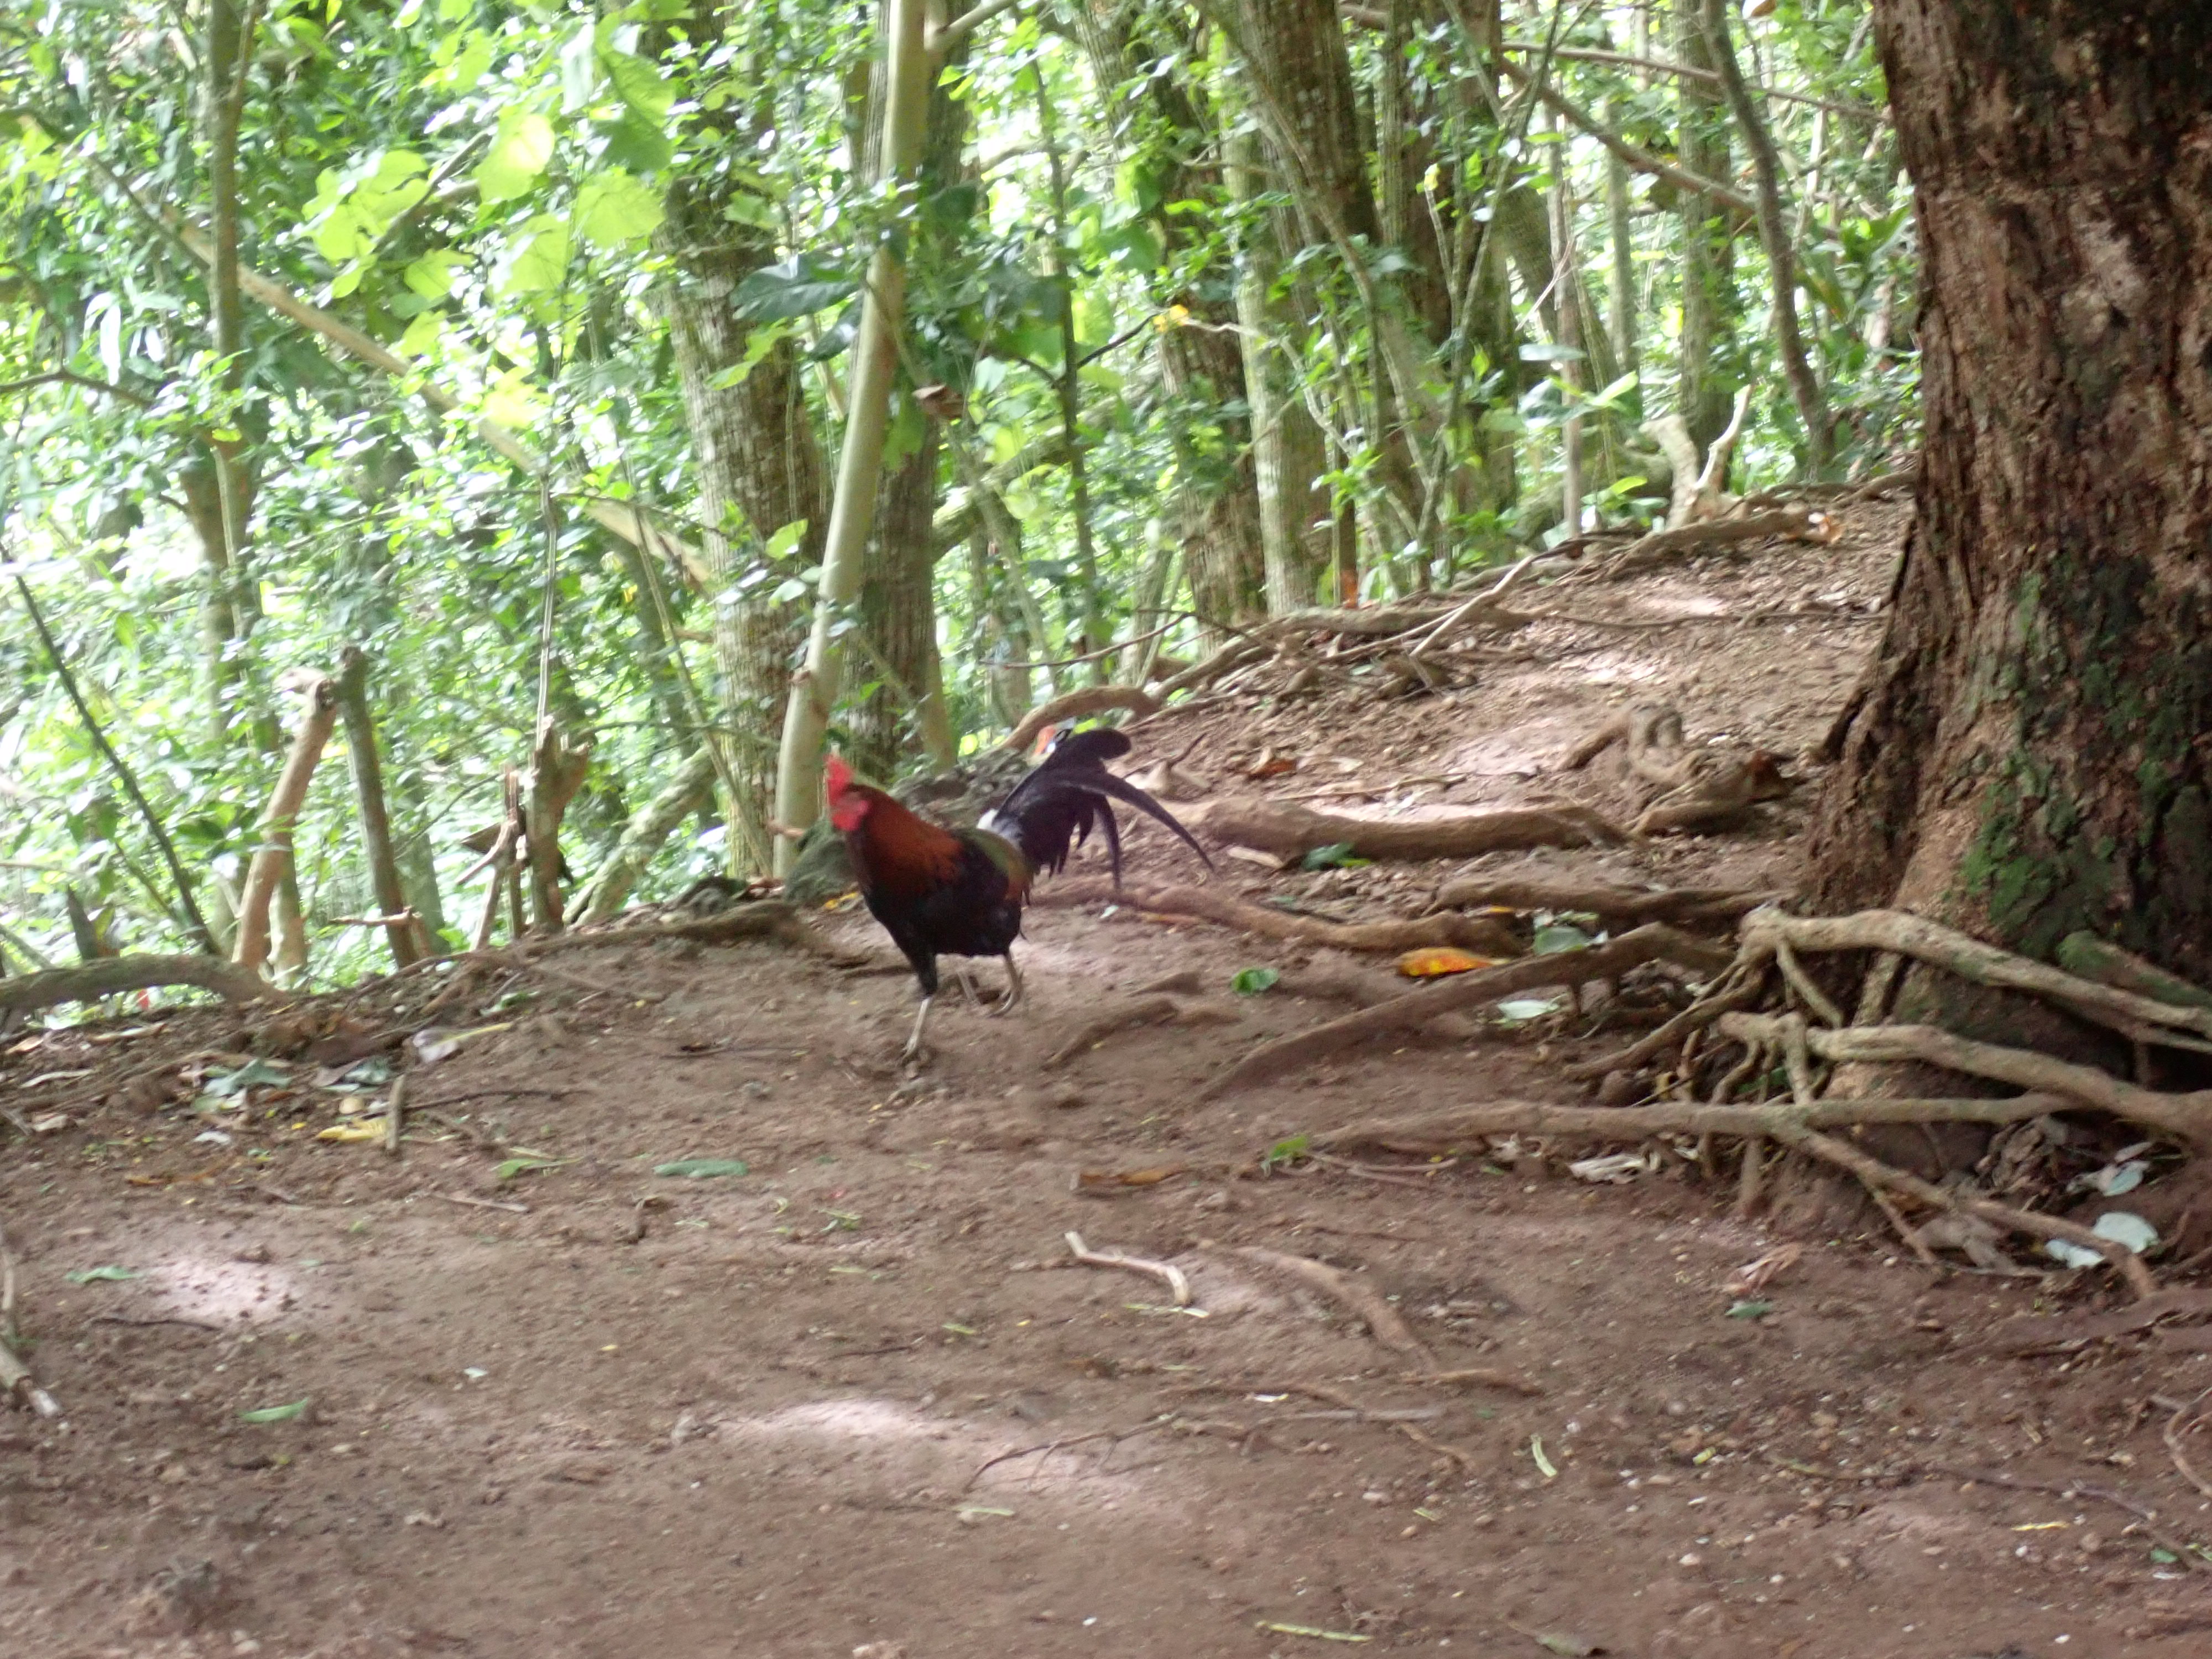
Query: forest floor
{"points": [[857, 1400]]}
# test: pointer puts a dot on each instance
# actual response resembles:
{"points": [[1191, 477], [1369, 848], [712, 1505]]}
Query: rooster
{"points": [[960, 892]]}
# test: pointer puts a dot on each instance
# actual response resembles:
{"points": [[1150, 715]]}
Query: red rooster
{"points": [[960, 892]]}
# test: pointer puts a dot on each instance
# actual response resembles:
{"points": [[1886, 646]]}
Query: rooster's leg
{"points": [[1013, 996], [968, 984], [921, 1018]]}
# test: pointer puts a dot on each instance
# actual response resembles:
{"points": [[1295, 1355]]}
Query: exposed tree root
{"points": [[1871, 1170], [1650, 943], [1615, 906], [1291, 832], [1475, 934], [1073, 705], [1382, 1321], [1434, 1133], [110, 974], [1146, 1010], [2124, 1011], [2187, 1117]]}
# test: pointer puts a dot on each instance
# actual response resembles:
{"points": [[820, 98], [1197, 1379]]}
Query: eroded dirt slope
{"points": [[856, 1396]]}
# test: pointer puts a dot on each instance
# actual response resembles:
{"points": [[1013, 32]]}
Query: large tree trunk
{"points": [[759, 470], [1289, 453], [1702, 398], [1217, 506], [898, 602], [2028, 758]]}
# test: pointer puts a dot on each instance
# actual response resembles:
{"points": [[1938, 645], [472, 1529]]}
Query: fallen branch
{"points": [[1431, 1133], [1382, 1319], [1664, 546], [110, 974], [1073, 705], [1174, 1278], [1649, 943], [1475, 933], [1291, 832], [1615, 906]]}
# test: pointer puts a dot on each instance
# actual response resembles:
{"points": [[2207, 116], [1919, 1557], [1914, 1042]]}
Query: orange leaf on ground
{"points": [[1432, 960]]}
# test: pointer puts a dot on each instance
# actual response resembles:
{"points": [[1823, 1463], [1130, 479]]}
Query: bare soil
{"points": [[856, 1400]]}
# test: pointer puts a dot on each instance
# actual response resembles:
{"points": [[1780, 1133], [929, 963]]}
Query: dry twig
{"points": [[1174, 1278]]}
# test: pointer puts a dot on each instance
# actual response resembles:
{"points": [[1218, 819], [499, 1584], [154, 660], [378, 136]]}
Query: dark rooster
{"points": [[960, 892]]}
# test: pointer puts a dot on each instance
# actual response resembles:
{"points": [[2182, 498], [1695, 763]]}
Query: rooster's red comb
{"points": [[837, 775]]}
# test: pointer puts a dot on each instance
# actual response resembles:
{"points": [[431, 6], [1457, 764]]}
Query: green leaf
{"points": [[1287, 1150], [1549, 941], [703, 1169], [1250, 981], [537, 259], [639, 84], [1337, 855], [432, 275], [614, 209], [637, 143], [518, 154], [510, 1168], [786, 541], [100, 1275], [423, 335], [298, 1409], [798, 288], [1749, 1309]]}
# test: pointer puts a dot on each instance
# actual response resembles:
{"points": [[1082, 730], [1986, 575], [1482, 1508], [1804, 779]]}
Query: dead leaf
{"points": [[1432, 961], [1092, 1181], [1271, 765], [1755, 1276]]}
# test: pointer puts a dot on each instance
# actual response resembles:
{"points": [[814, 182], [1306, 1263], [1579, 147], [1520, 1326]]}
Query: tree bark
{"points": [[612, 884], [759, 468], [1217, 503], [2027, 757], [409, 943], [1781, 258], [319, 715], [1701, 398], [898, 602], [815, 687], [1288, 451]]}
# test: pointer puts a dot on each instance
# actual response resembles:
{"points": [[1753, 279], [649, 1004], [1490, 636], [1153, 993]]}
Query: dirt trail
{"points": [[856, 1400]]}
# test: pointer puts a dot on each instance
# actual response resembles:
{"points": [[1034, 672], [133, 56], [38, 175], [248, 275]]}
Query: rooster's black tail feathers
{"points": [[1056, 806]]}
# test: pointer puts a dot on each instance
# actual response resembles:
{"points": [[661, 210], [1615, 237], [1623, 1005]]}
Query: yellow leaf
{"points": [[1432, 960], [352, 1132]]}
